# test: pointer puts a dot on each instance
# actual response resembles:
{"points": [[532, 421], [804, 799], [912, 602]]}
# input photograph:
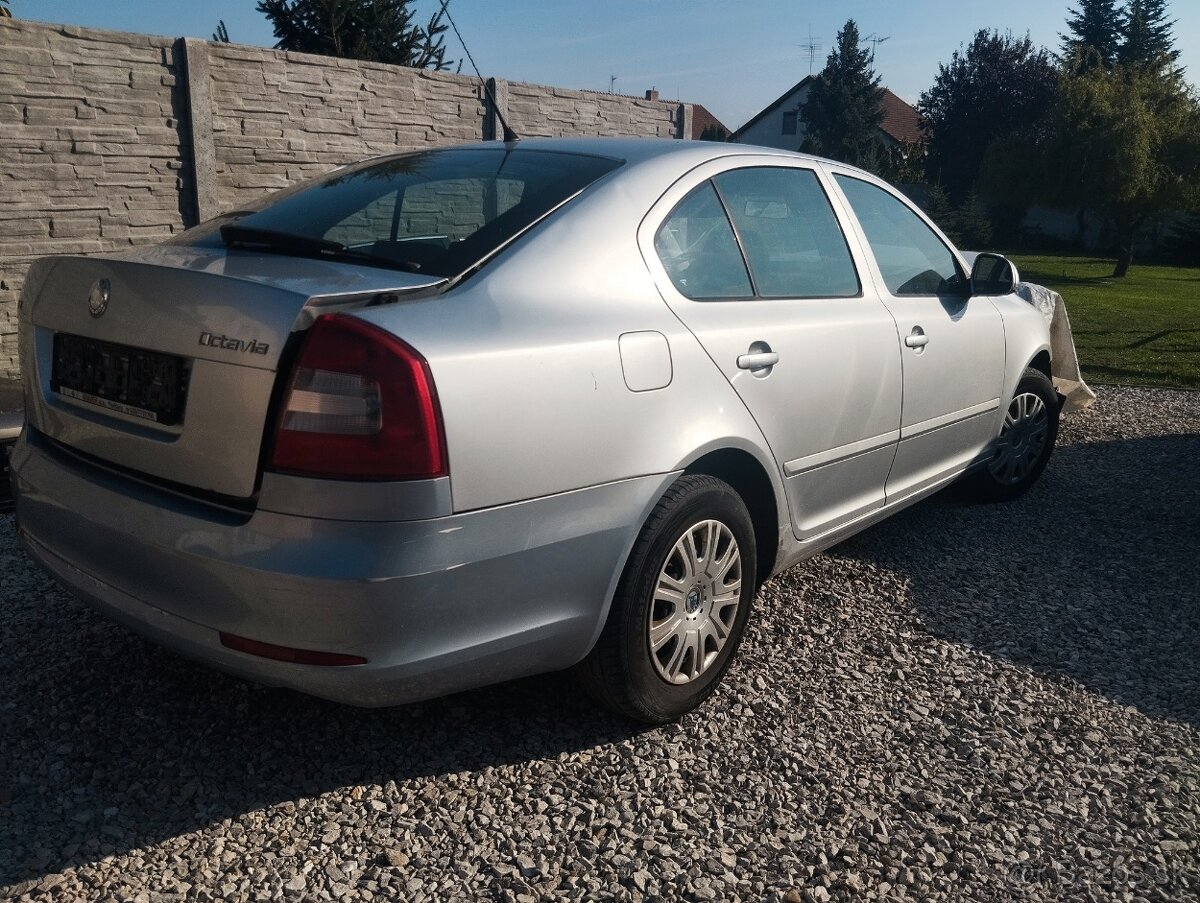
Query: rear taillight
{"points": [[360, 405]]}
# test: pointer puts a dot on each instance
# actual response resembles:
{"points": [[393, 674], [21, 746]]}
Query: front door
{"points": [[951, 345]]}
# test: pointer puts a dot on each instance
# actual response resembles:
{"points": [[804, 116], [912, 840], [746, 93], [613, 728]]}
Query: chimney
{"points": [[652, 94]]}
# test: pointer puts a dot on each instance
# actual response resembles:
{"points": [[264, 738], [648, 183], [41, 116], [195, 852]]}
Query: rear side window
{"points": [[911, 258], [789, 233], [698, 250], [436, 212]]}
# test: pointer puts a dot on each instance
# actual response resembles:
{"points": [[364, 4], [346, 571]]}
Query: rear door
{"points": [[951, 345], [751, 257]]}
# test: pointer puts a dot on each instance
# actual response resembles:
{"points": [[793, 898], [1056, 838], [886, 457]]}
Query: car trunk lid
{"points": [[164, 361]]}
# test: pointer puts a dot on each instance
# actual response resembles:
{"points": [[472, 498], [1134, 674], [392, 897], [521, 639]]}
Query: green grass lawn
{"points": [[1143, 329]]}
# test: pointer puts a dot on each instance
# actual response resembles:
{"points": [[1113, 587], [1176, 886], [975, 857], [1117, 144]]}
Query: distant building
{"points": [[780, 124], [705, 126]]}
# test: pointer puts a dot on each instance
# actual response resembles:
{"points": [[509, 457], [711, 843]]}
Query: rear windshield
{"points": [[435, 212]]}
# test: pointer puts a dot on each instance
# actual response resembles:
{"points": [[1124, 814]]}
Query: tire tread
{"points": [[603, 672]]}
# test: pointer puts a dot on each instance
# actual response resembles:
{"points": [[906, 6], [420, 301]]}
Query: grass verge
{"points": [[1143, 329]]}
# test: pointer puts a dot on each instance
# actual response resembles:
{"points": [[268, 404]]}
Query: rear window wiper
{"points": [[254, 239]]}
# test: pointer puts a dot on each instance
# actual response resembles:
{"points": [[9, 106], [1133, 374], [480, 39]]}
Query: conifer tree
{"points": [[842, 113], [380, 31], [1146, 34], [1096, 29]]}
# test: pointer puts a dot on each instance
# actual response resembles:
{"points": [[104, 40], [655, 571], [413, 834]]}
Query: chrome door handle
{"points": [[757, 360], [916, 338]]}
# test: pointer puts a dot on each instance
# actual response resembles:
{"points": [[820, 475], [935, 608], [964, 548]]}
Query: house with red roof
{"points": [[705, 126], [780, 124]]}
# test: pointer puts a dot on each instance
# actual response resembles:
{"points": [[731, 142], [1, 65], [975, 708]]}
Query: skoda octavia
{"points": [[456, 416]]}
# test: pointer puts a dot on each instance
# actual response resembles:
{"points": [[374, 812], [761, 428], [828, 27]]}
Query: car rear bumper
{"points": [[435, 606]]}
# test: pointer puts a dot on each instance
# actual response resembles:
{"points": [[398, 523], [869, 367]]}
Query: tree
{"points": [[1096, 29], [1146, 34], [5, 13], [842, 114], [221, 35], [900, 164], [967, 227], [1125, 145], [1182, 245], [1000, 87], [380, 31]]}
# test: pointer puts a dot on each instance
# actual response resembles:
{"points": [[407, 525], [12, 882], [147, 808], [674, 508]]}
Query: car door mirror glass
{"points": [[993, 274]]}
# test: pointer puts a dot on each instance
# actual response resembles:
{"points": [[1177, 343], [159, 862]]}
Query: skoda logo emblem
{"points": [[98, 299]]}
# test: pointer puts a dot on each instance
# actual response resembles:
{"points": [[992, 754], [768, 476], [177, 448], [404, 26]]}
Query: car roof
{"points": [[634, 150]]}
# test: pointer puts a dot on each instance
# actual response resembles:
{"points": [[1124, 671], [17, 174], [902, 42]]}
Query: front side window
{"points": [[911, 257], [698, 250], [789, 232]]}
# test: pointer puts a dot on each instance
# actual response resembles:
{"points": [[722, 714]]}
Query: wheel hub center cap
{"points": [[692, 602]]}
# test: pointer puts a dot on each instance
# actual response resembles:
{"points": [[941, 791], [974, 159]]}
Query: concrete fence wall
{"points": [[109, 139]]}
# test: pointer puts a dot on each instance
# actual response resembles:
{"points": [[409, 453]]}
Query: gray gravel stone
{"points": [[985, 703]]}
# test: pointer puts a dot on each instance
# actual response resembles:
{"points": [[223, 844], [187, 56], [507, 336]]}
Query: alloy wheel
{"points": [[695, 603]]}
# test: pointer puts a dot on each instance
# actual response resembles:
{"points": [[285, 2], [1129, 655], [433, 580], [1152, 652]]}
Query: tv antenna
{"points": [[812, 48], [875, 40]]}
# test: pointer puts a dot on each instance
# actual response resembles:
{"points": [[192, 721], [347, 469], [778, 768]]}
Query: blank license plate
{"points": [[145, 384]]}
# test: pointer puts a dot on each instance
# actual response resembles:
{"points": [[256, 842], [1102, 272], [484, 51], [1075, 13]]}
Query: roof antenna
{"points": [[874, 39], [812, 48], [509, 135]]}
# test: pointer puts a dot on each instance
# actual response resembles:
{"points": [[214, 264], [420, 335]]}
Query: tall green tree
{"points": [[842, 114], [381, 31], [999, 87], [1146, 34], [1125, 145], [1094, 35]]}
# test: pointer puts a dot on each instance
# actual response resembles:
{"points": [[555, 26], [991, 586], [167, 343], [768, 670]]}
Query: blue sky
{"points": [[733, 57]]}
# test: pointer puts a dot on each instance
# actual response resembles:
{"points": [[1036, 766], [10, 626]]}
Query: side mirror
{"points": [[993, 274]]}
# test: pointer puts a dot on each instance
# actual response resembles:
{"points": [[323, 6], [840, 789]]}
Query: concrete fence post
{"points": [[683, 122], [200, 128], [495, 98]]}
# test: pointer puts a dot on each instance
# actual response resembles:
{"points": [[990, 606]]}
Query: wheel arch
{"points": [[750, 479], [1041, 361]]}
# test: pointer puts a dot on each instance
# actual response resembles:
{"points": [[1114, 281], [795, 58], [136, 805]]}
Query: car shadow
{"points": [[127, 744], [1093, 576]]}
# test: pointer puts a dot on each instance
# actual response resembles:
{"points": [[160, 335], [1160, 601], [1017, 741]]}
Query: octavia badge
{"points": [[98, 299]]}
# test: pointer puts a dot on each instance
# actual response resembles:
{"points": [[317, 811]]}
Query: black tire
{"points": [[1014, 468], [622, 672]]}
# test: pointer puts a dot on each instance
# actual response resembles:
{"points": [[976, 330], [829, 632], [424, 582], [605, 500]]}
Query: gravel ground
{"points": [[985, 703]]}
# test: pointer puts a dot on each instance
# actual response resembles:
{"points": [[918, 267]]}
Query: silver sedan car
{"points": [[457, 416]]}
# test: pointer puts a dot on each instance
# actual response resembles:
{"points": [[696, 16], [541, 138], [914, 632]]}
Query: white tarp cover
{"points": [[1064, 364]]}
